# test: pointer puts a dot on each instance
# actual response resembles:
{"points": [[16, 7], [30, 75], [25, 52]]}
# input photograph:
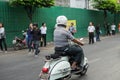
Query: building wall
{"points": [[15, 19], [77, 4], [63, 3], [84, 4]]}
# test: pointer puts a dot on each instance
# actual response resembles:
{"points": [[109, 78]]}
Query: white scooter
{"points": [[58, 67]]}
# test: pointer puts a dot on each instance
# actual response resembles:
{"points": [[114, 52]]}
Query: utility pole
{"points": [[87, 4]]}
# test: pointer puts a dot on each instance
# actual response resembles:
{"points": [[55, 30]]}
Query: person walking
{"points": [[36, 38], [43, 34], [113, 26], [72, 29], [108, 29], [30, 38], [2, 38], [91, 30]]}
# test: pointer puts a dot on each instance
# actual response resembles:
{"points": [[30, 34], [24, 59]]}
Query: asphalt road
{"points": [[103, 56]]}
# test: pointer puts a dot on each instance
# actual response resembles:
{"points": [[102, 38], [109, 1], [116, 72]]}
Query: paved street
{"points": [[104, 60]]}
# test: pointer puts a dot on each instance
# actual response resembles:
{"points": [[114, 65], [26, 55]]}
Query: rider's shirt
{"points": [[61, 37]]}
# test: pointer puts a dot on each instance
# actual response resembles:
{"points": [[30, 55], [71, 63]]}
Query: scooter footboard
{"points": [[60, 70]]}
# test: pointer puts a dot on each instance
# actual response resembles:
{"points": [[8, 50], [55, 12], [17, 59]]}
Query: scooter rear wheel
{"points": [[60, 79]]}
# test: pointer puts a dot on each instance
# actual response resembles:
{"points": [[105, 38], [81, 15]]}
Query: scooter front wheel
{"points": [[84, 70]]}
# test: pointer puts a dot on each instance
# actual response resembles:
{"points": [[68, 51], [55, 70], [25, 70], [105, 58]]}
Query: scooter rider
{"points": [[61, 42]]}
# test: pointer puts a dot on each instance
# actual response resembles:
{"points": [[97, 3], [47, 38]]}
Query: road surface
{"points": [[103, 56]]}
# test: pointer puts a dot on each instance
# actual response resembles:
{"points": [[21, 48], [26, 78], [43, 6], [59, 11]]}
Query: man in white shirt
{"points": [[91, 30], [43, 34], [113, 26]]}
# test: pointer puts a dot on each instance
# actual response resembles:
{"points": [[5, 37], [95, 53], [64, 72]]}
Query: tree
{"points": [[31, 5], [107, 6]]}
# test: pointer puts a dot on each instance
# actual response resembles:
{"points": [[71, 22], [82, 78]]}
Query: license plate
{"points": [[42, 79], [44, 76]]}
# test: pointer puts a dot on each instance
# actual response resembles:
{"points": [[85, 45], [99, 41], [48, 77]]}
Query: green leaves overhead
{"points": [[110, 5], [33, 3]]}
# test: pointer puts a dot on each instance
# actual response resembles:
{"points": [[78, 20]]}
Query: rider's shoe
{"points": [[78, 69]]}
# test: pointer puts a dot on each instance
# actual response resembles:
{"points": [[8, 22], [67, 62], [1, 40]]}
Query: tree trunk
{"points": [[115, 15], [105, 21], [29, 10], [105, 16]]}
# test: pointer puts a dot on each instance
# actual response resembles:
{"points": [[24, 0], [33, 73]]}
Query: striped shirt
{"points": [[62, 37]]}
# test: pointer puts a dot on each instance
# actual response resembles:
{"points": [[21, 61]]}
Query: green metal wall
{"points": [[15, 19], [82, 16]]}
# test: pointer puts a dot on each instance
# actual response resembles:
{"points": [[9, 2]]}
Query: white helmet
{"points": [[61, 20]]}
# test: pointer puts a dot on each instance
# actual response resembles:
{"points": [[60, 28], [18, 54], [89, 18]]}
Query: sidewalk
{"points": [[49, 47]]}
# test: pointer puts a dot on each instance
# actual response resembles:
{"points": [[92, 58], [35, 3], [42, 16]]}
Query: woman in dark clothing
{"points": [[2, 38], [97, 30], [30, 37]]}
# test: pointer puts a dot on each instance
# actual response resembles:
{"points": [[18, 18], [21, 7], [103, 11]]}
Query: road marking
{"points": [[95, 60]]}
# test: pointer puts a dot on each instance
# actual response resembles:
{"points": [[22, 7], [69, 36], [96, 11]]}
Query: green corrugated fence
{"points": [[15, 19]]}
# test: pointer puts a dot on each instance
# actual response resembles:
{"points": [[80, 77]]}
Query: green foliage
{"points": [[31, 5], [109, 5]]}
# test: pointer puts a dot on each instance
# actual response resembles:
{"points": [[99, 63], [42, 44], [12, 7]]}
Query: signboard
{"points": [[69, 23]]}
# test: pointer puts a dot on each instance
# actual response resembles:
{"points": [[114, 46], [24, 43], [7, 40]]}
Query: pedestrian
{"points": [[97, 30], [113, 26], [108, 29], [119, 27], [43, 29], [91, 30], [36, 38], [72, 28], [2, 38], [30, 38]]}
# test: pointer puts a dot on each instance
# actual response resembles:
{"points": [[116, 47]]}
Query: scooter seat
{"points": [[61, 53], [55, 56]]}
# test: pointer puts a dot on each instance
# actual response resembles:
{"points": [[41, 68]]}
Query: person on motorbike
{"points": [[61, 42]]}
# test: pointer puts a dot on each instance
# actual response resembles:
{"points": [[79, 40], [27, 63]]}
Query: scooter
{"points": [[58, 67], [19, 43]]}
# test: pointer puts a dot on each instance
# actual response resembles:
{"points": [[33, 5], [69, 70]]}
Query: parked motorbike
{"points": [[58, 67], [19, 43]]}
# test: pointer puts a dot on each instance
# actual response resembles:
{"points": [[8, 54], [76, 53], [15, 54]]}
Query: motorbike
{"points": [[19, 43], [58, 67]]}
